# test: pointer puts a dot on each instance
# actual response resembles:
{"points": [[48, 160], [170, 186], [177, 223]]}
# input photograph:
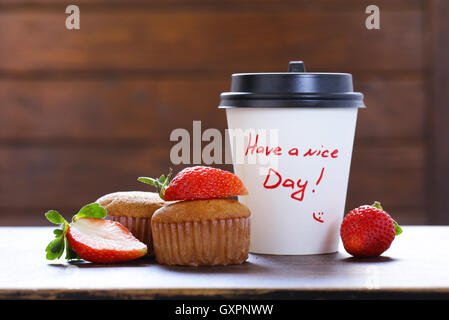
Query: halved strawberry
{"points": [[103, 241], [198, 183]]}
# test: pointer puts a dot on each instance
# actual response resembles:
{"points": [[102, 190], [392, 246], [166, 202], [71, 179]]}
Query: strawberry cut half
{"points": [[103, 241]]}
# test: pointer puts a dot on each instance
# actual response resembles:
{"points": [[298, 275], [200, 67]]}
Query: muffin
{"points": [[201, 232], [134, 210]]}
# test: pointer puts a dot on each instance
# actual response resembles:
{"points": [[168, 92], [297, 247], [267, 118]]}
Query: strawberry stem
{"points": [[377, 205], [397, 227], [160, 184]]}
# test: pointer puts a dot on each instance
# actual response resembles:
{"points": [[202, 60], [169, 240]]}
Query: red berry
{"points": [[204, 183], [103, 241], [368, 231]]}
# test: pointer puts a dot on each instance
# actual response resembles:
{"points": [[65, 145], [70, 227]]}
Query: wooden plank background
{"points": [[83, 113], [439, 112]]}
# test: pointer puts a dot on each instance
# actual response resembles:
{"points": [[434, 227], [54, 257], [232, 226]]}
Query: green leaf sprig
{"points": [[160, 184], [55, 248], [397, 227]]}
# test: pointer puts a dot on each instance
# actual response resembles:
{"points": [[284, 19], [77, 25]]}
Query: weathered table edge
{"points": [[220, 294]]}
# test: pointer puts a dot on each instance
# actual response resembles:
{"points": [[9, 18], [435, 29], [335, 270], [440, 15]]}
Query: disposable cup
{"points": [[291, 138]]}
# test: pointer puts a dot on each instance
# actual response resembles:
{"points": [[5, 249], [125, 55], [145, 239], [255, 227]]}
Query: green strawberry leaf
{"points": [[55, 248], [54, 217], [167, 180], [147, 180], [93, 210], [397, 228], [161, 183], [58, 232], [377, 205], [69, 253]]}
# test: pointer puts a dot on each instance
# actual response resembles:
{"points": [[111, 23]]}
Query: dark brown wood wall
{"points": [[83, 113]]}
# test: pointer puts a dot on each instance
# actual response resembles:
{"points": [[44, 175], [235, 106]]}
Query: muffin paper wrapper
{"points": [[215, 242], [139, 227]]}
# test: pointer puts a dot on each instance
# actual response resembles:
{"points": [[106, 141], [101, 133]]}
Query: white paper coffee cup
{"points": [[297, 173]]}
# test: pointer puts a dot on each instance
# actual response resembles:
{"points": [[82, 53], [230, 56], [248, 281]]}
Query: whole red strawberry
{"points": [[368, 231], [198, 183]]}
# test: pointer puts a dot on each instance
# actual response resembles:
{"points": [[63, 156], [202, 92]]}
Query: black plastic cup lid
{"points": [[293, 89]]}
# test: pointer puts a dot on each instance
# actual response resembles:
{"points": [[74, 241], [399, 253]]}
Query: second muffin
{"points": [[201, 232]]}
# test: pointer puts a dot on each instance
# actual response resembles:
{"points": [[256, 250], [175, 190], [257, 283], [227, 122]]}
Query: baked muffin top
{"points": [[200, 210], [136, 204]]}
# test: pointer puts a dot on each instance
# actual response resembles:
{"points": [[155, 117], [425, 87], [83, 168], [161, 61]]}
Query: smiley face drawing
{"points": [[318, 217]]}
